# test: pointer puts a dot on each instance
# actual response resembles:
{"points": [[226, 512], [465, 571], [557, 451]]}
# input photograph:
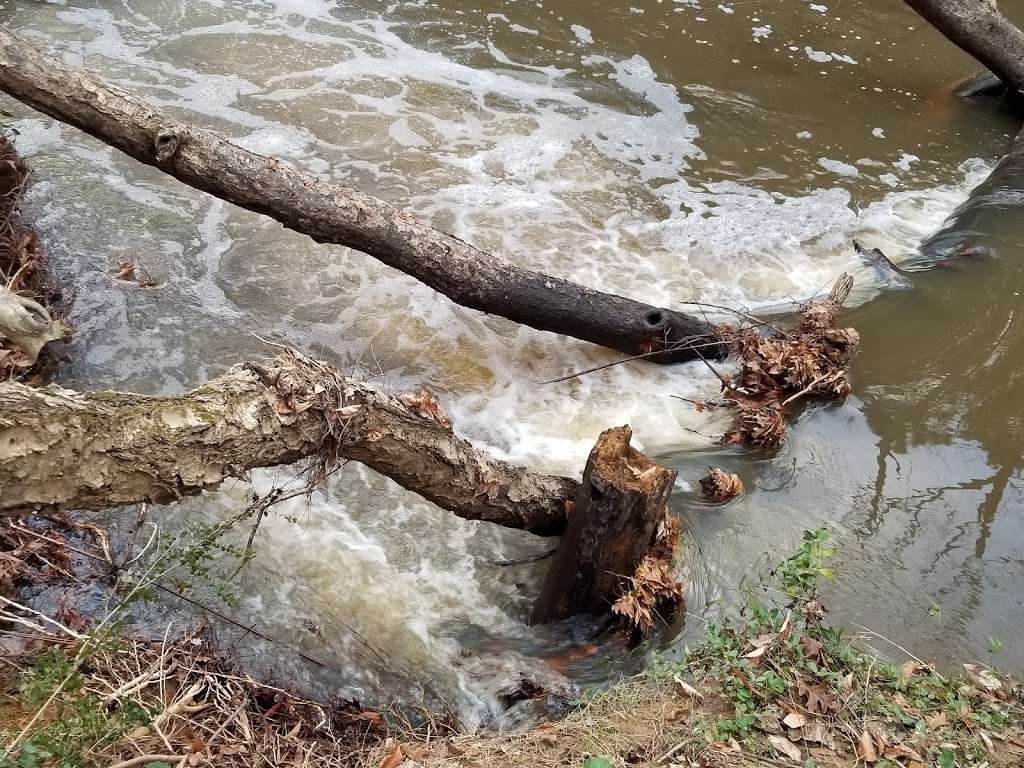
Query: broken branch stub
{"points": [[330, 213], [611, 528], [64, 449]]}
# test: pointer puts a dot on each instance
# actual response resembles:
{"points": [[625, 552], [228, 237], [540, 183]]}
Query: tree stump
{"points": [[610, 529]]}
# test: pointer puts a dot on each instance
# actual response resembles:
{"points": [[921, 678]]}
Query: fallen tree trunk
{"points": [[611, 529], [63, 449], [981, 30], [330, 213]]}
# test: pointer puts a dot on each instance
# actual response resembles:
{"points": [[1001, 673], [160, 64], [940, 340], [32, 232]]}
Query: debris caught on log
{"points": [[27, 296], [779, 367], [64, 449], [719, 485], [617, 523]]}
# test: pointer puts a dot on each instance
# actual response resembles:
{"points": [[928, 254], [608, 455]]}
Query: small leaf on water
{"points": [[597, 762]]}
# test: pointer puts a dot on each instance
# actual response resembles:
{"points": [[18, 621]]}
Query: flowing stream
{"points": [[671, 150]]}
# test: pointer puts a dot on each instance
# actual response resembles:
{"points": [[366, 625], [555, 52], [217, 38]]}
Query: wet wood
{"points": [[988, 221], [612, 526], [981, 30], [64, 449], [330, 213]]}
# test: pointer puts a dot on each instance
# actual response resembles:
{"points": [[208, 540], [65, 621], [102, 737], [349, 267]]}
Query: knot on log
{"points": [[167, 143]]}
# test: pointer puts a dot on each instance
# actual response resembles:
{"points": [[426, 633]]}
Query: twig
{"points": [[749, 318], [143, 759], [808, 388], [628, 359], [525, 560]]}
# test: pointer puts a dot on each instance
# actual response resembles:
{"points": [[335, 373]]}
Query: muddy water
{"points": [[671, 151]]}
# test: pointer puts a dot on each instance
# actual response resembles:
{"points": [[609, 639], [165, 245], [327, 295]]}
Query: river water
{"points": [[667, 150]]}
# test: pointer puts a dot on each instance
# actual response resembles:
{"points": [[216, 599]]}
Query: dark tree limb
{"points": [[331, 213], [981, 30], [62, 449]]}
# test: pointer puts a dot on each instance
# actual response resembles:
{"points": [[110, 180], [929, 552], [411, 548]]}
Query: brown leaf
{"points": [[982, 678], [394, 759], [720, 485], [813, 649], [787, 747], [937, 721], [817, 697], [866, 748], [909, 669], [125, 271]]}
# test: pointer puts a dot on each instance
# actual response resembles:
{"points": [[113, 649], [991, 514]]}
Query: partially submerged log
{"points": [[981, 30], [988, 221], [330, 213], [63, 449], [612, 527]]}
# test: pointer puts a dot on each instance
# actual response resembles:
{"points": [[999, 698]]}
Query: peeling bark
{"points": [[611, 529], [981, 30], [63, 449], [330, 213]]}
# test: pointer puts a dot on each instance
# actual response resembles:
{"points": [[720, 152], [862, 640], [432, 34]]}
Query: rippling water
{"points": [[671, 151]]}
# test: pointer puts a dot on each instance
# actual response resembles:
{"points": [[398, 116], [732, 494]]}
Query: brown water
{"points": [[669, 151]]}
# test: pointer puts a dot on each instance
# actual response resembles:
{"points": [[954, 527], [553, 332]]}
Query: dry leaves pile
{"points": [[21, 255], [812, 697], [719, 485], [297, 383], [204, 714], [655, 592], [779, 367]]}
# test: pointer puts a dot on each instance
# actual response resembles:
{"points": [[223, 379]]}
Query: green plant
{"points": [[799, 573]]}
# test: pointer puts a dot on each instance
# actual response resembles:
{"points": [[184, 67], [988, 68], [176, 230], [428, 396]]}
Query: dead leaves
{"points": [[653, 586], [719, 485], [425, 405], [786, 747], [816, 697], [131, 272], [779, 369]]}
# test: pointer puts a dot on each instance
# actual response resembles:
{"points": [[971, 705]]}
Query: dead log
{"points": [[330, 213], [63, 449], [611, 529], [981, 30]]}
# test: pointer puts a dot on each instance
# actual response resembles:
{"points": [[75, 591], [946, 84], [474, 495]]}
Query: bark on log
{"points": [[331, 213], [59, 448], [981, 30], [611, 528]]}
